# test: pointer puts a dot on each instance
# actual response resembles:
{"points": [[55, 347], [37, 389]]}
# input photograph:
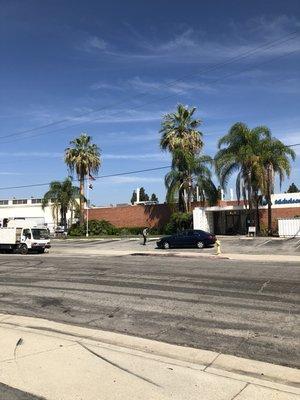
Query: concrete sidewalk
{"points": [[60, 362]]}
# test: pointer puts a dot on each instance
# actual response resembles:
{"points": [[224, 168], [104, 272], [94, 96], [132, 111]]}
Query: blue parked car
{"points": [[188, 238]]}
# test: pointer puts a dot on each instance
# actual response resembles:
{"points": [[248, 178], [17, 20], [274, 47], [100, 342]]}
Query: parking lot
{"points": [[229, 244]]}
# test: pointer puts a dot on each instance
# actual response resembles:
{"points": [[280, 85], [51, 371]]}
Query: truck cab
{"points": [[35, 239]]}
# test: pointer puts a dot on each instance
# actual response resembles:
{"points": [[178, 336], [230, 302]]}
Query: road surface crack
{"points": [[116, 365], [264, 285], [235, 396]]}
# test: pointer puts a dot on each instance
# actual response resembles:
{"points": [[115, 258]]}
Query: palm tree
{"points": [[276, 158], [181, 137], [179, 131], [62, 196], [83, 157], [194, 171], [239, 152]]}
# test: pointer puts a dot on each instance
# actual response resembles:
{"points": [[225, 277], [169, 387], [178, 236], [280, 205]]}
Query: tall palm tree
{"points": [[276, 157], [239, 152], [83, 157], [181, 137], [180, 131], [62, 196], [194, 171]]}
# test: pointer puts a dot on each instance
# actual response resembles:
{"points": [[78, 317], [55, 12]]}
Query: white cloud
{"points": [[35, 154], [132, 179], [11, 173], [193, 46], [120, 115], [93, 43], [140, 157], [176, 86], [128, 137]]}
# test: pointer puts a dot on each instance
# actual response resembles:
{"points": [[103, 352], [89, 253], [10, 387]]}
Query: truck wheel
{"points": [[23, 249]]}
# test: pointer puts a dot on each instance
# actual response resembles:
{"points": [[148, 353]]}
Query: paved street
{"points": [[9, 393], [248, 310]]}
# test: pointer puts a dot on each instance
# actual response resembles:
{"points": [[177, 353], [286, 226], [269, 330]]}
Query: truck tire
{"points": [[23, 249]]}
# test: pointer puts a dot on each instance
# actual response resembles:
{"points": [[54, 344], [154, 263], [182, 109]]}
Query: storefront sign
{"points": [[287, 201]]}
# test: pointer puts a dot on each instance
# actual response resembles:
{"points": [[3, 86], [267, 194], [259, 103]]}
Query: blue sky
{"points": [[62, 59]]}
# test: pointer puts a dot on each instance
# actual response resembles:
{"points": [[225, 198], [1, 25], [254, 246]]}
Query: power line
{"points": [[265, 46], [159, 98], [96, 177]]}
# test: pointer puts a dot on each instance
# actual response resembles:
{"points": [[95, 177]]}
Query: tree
{"points": [[179, 131], [276, 158], [293, 189], [143, 196], [193, 171], [181, 137], [154, 197], [240, 152], [62, 196], [83, 157]]}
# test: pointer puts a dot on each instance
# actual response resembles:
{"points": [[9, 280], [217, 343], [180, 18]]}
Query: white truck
{"points": [[20, 236]]}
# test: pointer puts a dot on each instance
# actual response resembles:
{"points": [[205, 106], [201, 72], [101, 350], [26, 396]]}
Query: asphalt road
{"points": [[9, 393], [248, 310]]}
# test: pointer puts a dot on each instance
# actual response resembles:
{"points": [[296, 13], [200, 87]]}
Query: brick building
{"points": [[228, 217]]}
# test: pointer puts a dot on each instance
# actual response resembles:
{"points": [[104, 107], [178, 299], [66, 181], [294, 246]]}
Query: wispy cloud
{"points": [[128, 137], [140, 157], [193, 46], [132, 179], [35, 154], [11, 173], [120, 115], [93, 43]]}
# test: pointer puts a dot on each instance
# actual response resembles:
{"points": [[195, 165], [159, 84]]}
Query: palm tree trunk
{"points": [[81, 200], [181, 202]]}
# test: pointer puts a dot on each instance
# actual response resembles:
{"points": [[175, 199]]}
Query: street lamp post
{"points": [[87, 208]]}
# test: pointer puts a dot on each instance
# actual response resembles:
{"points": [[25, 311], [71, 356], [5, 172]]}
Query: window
{"points": [[3, 202], [36, 201], [22, 201], [27, 233]]}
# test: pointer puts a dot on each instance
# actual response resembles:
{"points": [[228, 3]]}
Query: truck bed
{"points": [[10, 235]]}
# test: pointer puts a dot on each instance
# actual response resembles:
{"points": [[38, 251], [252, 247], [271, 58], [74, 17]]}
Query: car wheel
{"points": [[200, 245], [23, 249], [166, 245]]}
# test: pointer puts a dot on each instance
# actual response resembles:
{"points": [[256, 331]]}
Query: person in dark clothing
{"points": [[145, 234]]}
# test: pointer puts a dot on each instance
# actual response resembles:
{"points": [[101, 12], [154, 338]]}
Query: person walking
{"points": [[145, 234]]}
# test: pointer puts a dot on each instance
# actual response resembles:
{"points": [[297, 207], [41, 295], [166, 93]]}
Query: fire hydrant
{"points": [[218, 244]]}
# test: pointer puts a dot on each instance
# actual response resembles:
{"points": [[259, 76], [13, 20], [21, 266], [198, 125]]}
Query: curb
{"points": [[181, 255], [260, 373]]}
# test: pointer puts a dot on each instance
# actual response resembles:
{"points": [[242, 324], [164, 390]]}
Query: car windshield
{"points": [[40, 233]]}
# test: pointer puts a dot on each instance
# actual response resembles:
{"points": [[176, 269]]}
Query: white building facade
{"points": [[31, 210], [230, 217]]}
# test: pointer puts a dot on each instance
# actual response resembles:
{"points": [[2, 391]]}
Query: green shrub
{"points": [[133, 230], [178, 222], [96, 228]]}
